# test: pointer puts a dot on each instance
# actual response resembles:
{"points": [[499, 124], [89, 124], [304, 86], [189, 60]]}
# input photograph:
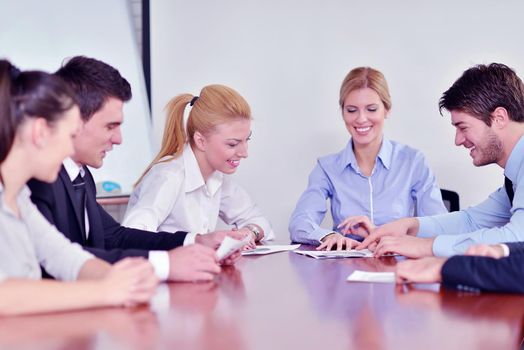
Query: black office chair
{"points": [[451, 200]]}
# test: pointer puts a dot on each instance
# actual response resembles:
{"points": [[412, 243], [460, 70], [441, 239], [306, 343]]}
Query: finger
{"points": [[202, 276], [367, 241], [322, 246], [208, 267], [372, 246], [379, 249], [344, 222], [340, 243], [351, 243], [237, 234]]}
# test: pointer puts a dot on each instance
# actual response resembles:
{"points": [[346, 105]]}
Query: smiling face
{"points": [[57, 143], [364, 115], [97, 136], [223, 148], [484, 146]]}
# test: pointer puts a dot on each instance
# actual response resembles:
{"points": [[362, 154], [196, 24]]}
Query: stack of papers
{"points": [[268, 249], [336, 254], [379, 277]]}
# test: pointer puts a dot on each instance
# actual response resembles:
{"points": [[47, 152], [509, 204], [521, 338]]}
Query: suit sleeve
{"points": [[516, 247], [477, 273], [42, 197], [117, 236]]}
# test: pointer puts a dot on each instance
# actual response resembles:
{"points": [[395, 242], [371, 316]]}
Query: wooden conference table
{"points": [[285, 301]]}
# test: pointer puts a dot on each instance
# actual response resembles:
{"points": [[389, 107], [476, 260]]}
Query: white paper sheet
{"points": [[268, 249], [378, 277], [229, 246], [336, 254]]}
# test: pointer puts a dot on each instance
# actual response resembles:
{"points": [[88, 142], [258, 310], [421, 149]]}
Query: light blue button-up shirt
{"points": [[400, 181], [492, 221]]}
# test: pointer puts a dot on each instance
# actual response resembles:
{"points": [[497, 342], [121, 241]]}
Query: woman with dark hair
{"points": [[38, 121]]}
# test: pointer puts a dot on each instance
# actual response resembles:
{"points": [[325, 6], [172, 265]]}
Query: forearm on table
{"points": [[23, 296]]}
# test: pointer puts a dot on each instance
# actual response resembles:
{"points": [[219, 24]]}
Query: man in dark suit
{"points": [[70, 202]]}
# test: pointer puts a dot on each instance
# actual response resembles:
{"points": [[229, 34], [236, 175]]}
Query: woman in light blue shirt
{"points": [[38, 121], [370, 182]]}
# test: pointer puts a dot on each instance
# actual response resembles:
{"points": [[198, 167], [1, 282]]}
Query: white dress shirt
{"points": [[159, 259], [173, 196]]}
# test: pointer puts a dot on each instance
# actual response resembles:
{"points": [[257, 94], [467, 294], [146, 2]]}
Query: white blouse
{"points": [[30, 240], [173, 196]]}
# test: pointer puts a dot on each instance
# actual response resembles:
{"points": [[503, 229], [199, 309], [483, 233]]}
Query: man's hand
{"points": [[336, 240], [214, 239], [411, 247], [357, 225], [492, 251], [427, 270], [401, 227], [194, 262]]}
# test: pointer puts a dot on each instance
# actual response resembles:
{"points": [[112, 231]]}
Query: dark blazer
{"points": [[107, 239], [477, 273]]}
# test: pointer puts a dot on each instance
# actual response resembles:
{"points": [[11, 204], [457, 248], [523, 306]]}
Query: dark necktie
{"points": [[80, 196], [509, 189]]}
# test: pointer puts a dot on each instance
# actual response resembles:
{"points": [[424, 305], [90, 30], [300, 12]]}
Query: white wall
{"points": [[38, 34], [288, 59]]}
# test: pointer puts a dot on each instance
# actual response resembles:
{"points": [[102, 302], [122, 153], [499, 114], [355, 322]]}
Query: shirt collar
{"points": [[385, 154], [511, 170], [73, 169], [193, 177]]}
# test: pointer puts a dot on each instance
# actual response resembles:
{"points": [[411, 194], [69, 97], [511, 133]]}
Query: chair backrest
{"points": [[451, 200]]}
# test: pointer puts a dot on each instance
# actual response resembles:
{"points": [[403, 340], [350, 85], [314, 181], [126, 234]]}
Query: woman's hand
{"points": [[245, 232], [130, 282], [336, 240]]}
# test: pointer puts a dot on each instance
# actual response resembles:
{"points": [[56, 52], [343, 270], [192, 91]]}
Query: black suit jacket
{"points": [[476, 273], [107, 240]]}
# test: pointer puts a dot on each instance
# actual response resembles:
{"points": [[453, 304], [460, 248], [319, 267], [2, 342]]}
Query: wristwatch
{"points": [[255, 230]]}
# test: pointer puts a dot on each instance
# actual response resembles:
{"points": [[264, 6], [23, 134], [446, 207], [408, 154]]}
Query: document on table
{"points": [[336, 254], [268, 249], [365, 276]]}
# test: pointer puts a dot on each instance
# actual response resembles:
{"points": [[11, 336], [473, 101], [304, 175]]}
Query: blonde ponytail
{"points": [[175, 136]]}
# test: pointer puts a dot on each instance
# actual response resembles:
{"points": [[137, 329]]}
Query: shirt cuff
{"points": [[443, 245], [505, 250], [190, 238], [426, 227], [160, 262]]}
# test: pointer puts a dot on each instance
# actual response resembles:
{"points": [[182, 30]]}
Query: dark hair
{"points": [[29, 94], [93, 82], [483, 88]]}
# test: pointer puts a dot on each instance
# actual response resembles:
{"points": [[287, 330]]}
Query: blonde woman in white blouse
{"points": [[38, 120], [187, 186]]}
